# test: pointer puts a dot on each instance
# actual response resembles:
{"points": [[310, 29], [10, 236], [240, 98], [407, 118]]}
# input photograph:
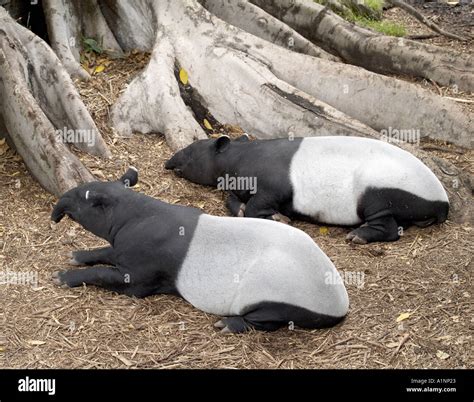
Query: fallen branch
{"points": [[420, 17]]}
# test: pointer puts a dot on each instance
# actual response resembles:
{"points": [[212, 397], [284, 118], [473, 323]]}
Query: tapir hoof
{"points": [[219, 324], [72, 259], [281, 218], [241, 212], [56, 278], [224, 329], [355, 238]]}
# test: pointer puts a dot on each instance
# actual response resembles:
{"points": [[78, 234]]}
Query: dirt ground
{"points": [[426, 274]]}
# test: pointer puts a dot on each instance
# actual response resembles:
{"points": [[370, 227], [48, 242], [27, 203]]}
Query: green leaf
{"points": [[92, 45]]}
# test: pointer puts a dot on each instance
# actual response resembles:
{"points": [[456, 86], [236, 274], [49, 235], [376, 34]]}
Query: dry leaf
{"points": [[403, 316], [442, 355], [392, 345], [99, 69], [207, 124], [183, 76]]}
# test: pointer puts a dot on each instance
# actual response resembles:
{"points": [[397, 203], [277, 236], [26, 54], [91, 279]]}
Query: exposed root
{"points": [[252, 97], [152, 102], [38, 101], [370, 50], [68, 23], [380, 102], [256, 21]]}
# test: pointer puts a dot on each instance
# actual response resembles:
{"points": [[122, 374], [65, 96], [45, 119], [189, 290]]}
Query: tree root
{"points": [[380, 102], [39, 108], [370, 50], [68, 23], [161, 108], [254, 20]]}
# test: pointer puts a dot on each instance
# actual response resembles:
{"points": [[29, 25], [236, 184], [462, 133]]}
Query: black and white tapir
{"points": [[334, 180], [256, 273]]}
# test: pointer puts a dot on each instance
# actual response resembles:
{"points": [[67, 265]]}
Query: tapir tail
{"points": [[443, 212]]}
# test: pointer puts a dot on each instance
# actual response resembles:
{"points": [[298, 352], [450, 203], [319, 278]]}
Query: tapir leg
{"points": [[379, 229], [260, 206], [270, 316], [104, 255], [235, 206], [106, 277]]}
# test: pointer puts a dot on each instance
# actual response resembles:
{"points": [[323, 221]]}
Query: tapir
{"points": [[338, 180], [254, 273]]}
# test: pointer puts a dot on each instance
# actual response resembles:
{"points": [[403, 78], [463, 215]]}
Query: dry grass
{"points": [[427, 273]]}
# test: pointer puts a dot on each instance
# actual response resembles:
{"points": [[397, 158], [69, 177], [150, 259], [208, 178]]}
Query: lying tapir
{"points": [[333, 180], [255, 273]]}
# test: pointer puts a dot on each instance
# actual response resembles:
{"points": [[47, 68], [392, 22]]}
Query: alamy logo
{"points": [[28, 384], [69, 136], [19, 278], [396, 136], [349, 278], [237, 183]]}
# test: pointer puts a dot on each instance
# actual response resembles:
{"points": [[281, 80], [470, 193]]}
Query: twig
{"points": [[414, 13], [437, 87], [402, 341], [459, 99], [439, 148]]}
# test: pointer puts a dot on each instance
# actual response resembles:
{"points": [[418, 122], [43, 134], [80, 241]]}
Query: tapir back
{"points": [[235, 263]]}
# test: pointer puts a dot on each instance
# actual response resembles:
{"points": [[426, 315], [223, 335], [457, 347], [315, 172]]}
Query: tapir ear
{"points": [[130, 178], [222, 143], [98, 199], [243, 138]]}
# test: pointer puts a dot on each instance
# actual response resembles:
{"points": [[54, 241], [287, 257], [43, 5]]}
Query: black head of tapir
{"points": [[202, 161], [92, 204]]}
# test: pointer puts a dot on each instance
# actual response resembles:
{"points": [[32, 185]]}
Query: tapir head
{"points": [[92, 204], [199, 162]]}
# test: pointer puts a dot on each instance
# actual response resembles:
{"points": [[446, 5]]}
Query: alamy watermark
{"points": [[70, 136], [28, 278], [348, 278], [394, 135], [237, 183]]}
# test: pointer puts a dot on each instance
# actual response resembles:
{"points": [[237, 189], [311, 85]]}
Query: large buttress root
{"points": [[370, 50], [38, 101], [152, 102]]}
